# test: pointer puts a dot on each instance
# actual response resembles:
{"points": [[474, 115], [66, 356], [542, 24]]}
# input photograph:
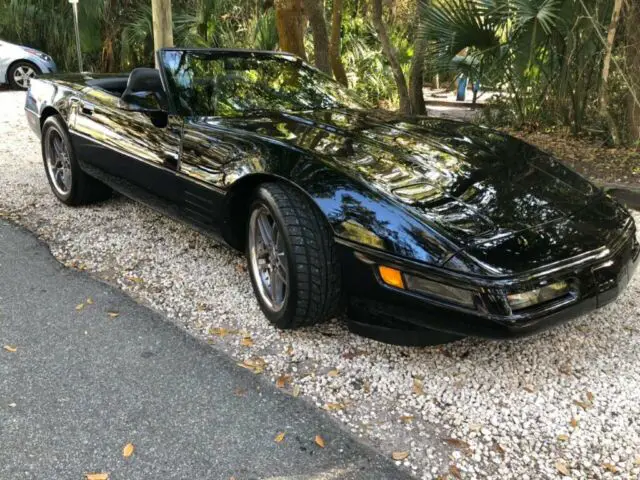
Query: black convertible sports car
{"points": [[423, 229]]}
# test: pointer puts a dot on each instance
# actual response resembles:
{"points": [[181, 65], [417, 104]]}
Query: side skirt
{"points": [[152, 201]]}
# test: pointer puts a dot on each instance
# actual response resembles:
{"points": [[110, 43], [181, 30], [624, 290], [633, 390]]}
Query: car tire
{"points": [[68, 182], [18, 67], [302, 250]]}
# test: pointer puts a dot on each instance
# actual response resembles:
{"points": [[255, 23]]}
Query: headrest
{"points": [[144, 80]]}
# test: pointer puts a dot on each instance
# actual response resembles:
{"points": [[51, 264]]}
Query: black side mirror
{"points": [[147, 103], [140, 102], [159, 118]]}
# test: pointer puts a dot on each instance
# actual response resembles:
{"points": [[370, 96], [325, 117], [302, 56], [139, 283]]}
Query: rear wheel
{"points": [[68, 182], [292, 258], [21, 73]]}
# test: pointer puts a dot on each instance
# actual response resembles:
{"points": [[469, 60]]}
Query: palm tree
{"points": [[536, 49]]}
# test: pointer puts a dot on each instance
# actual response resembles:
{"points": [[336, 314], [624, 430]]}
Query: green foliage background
{"points": [[544, 55]]}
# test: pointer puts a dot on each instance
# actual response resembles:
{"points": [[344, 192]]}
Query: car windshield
{"points": [[208, 83]]}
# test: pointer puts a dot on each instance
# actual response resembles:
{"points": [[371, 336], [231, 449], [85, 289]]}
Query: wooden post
{"points": [[162, 24]]}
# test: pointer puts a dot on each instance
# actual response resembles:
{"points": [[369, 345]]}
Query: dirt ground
{"points": [[592, 159]]}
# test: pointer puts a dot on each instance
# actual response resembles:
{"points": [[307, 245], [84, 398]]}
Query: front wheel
{"points": [[292, 258], [21, 73]]}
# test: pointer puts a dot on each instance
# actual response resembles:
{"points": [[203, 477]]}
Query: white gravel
{"points": [[512, 405]]}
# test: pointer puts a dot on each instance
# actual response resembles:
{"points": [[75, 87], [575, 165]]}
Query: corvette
{"points": [[423, 230]]}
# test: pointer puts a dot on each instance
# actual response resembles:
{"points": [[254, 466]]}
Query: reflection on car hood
{"points": [[470, 182]]}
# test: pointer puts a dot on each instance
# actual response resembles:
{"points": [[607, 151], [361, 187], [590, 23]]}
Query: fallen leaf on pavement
{"points": [[406, 418], [97, 476], [279, 437], [353, 354], [80, 306], [457, 443], [611, 467], [563, 468], [128, 449], [566, 369], [89, 301], [455, 472], [332, 406], [563, 438], [319, 441], [296, 390], [113, 314], [333, 373], [583, 405], [574, 422], [219, 331], [590, 396], [499, 448], [444, 351], [399, 455], [246, 342], [255, 364], [417, 386], [10, 348], [283, 380]]}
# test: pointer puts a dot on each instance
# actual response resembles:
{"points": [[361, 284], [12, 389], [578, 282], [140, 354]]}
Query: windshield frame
{"points": [[239, 53]]}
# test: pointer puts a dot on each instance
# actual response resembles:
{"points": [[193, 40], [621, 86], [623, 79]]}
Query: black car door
{"points": [[132, 149], [205, 171]]}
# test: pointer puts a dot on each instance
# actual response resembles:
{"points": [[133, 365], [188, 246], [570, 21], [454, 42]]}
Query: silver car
{"points": [[19, 64]]}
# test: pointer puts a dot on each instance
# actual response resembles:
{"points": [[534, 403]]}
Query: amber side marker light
{"points": [[391, 276]]}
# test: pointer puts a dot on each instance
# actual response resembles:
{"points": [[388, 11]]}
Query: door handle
{"points": [[170, 160], [87, 108]]}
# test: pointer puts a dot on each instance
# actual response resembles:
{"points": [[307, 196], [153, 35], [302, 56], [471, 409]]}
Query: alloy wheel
{"points": [[22, 75], [58, 162], [268, 259]]}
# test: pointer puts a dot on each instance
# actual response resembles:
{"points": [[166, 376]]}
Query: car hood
{"points": [[471, 183]]}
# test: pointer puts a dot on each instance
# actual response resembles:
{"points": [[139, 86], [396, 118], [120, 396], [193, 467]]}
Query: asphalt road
{"points": [[81, 385]]}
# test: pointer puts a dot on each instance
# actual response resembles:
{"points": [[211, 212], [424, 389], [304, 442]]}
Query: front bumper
{"points": [[385, 311]]}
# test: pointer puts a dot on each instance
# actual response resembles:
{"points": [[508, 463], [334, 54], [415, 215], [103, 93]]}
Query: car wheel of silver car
{"points": [[68, 182], [21, 73], [292, 258]]}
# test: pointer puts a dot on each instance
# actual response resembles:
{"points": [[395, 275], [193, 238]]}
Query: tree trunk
{"points": [[290, 25], [335, 42], [606, 64], [315, 13], [416, 80], [162, 24], [392, 56], [632, 40], [204, 14], [110, 32]]}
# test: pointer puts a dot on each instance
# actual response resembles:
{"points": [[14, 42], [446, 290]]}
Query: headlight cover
{"points": [[37, 53], [522, 300], [455, 295]]}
